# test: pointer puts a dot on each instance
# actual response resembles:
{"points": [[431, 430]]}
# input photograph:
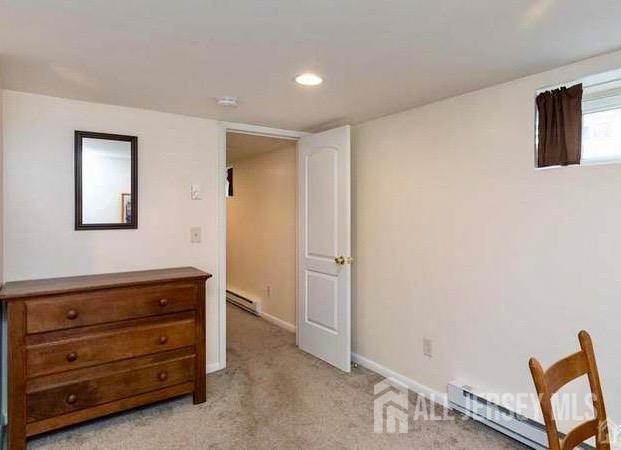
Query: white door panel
{"points": [[321, 210], [324, 322], [323, 312]]}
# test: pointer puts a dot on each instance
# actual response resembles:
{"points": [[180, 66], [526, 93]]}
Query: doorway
{"points": [[323, 260], [261, 231]]}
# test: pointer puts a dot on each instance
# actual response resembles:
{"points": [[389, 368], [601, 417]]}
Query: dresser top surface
{"points": [[50, 286]]}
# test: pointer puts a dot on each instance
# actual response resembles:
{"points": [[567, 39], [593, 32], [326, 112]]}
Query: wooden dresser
{"points": [[82, 347]]}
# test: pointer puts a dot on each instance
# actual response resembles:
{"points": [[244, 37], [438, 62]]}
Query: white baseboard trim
{"points": [[278, 322], [214, 367], [414, 386]]}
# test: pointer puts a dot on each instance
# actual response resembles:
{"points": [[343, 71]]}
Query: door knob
{"points": [[342, 260]]}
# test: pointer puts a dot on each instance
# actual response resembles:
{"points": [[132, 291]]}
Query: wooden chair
{"points": [[559, 374]]}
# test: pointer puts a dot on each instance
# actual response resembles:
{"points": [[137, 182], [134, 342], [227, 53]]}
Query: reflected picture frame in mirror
{"points": [[126, 211]]}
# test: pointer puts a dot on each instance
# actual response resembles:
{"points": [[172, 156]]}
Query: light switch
{"points": [[195, 235], [195, 192]]}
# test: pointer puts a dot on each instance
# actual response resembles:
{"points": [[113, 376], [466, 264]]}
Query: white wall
{"points": [[458, 238], [261, 231], [173, 152]]}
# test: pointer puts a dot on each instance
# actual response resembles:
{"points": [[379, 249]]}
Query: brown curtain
{"points": [[560, 126]]}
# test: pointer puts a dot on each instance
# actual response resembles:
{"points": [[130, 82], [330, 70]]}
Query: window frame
{"points": [[602, 92]]}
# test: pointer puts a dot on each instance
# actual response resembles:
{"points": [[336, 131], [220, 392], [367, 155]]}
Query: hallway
{"points": [[271, 395]]}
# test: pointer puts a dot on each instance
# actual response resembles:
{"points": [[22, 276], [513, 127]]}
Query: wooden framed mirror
{"points": [[106, 181]]}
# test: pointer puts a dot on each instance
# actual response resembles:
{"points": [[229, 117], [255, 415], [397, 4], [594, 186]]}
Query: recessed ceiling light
{"points": [[227, 101], [308, 79]]}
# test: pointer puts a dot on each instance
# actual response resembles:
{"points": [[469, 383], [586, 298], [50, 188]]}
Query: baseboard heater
{"points": [[253, 306], [527, 431]]}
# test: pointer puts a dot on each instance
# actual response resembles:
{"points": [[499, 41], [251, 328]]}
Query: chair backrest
{"points": [[559, 374]]}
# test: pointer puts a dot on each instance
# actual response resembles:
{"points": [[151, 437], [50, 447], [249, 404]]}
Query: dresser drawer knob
{"points": [[163, 339], [72, 314], [163, 376], [163, 302], [72, 356], [72, 398]]}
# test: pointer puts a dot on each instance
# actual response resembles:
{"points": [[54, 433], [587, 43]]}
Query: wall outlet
{"points": [[427, 347], [195, 235], [268, 291]]}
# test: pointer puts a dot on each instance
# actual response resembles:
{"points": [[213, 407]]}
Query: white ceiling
{"points": [[377, 56], [240, 145]]}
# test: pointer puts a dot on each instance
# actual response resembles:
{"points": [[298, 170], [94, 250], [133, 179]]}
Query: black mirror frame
{"points": [[79, 225]]}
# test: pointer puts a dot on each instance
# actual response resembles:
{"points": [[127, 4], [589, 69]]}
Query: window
{"points": [[229, 182], [601, 118], [601, 123]]}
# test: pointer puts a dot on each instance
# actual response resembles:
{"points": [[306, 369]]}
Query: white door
{"points": [[324, 239]]}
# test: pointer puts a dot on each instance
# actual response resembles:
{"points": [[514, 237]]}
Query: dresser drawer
{"points": [[83, 348], [58, 399], [89, 308]]}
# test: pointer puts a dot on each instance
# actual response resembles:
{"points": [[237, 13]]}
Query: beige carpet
{"points": [[271, 395]]}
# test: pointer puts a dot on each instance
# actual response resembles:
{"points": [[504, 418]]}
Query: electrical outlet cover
{"points": [[427, 347], [195, 235]]}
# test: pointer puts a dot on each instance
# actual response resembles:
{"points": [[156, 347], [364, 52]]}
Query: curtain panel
{"points": [[560, 126]]}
